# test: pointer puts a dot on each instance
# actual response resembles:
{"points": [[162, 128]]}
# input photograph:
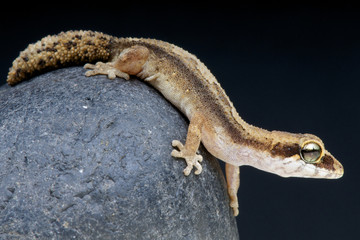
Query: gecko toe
{"points": [[198, 158], [198, 168], [105, 69], [176, 153], [236, 211], [89, 66], [177, 144], [90, 73], [187, 170]]}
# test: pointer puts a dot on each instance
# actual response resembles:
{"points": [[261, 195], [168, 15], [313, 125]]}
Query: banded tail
{"points": [[61, 50]]}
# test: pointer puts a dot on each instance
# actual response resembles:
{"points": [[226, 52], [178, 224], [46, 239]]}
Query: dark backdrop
{"points": [[293, 68]]}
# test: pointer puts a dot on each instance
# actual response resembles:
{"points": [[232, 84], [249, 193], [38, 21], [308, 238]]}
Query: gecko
{"points": [[189, 85]]}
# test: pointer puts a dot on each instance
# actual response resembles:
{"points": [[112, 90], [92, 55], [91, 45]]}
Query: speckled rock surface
{"points": [[89, 158]]}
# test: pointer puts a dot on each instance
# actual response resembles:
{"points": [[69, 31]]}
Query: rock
{"points": [[89, 158]]}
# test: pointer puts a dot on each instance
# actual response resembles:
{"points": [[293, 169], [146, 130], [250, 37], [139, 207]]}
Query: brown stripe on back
{"points": [[210, 96]]}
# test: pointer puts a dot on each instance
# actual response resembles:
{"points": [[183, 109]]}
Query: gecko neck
{"points": [[240, 143]]}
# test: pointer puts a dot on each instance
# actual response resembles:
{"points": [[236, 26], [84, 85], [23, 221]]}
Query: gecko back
{"points": [[65, 49]]}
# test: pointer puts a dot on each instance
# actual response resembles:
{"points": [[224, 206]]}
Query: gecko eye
{"points": [[311, 152]]}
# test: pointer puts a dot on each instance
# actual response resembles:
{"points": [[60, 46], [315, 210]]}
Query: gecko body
{"points": [[187, 83]]}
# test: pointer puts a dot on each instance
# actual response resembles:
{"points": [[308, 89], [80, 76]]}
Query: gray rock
{"points": [[89, 158]]}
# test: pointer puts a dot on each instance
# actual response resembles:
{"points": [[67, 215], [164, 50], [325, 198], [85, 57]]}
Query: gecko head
{"points": [[304, 155]]}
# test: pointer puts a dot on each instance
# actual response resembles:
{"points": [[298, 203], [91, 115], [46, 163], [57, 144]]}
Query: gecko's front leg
{"points": [[188, 151], [233, 183]]}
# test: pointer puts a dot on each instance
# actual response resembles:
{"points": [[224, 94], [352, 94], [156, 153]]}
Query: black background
{"points": [[285, 67]]}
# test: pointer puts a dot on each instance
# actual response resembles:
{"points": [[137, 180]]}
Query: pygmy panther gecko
{"points": [[190, 86]]}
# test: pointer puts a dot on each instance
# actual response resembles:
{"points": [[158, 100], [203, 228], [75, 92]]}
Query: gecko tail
{"points": [[56, 51]]}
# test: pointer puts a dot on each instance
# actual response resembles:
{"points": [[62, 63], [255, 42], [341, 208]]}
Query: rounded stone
{"points": [[89, 158]]}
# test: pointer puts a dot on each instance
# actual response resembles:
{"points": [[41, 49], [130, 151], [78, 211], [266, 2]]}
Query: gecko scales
{"points": [[187, 83]]}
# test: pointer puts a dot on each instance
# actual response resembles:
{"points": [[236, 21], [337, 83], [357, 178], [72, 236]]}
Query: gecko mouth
{"points": [[328, 168], [324, 173]]}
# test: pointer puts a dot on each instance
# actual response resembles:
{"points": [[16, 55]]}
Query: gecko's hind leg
{"points": [[106, 69], [129, 62]]}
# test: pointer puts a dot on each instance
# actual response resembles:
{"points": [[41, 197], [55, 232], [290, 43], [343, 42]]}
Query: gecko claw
{"points": [[191, 159]]}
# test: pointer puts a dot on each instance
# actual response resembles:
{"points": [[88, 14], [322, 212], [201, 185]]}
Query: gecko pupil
{"points": [[311, 152]]}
